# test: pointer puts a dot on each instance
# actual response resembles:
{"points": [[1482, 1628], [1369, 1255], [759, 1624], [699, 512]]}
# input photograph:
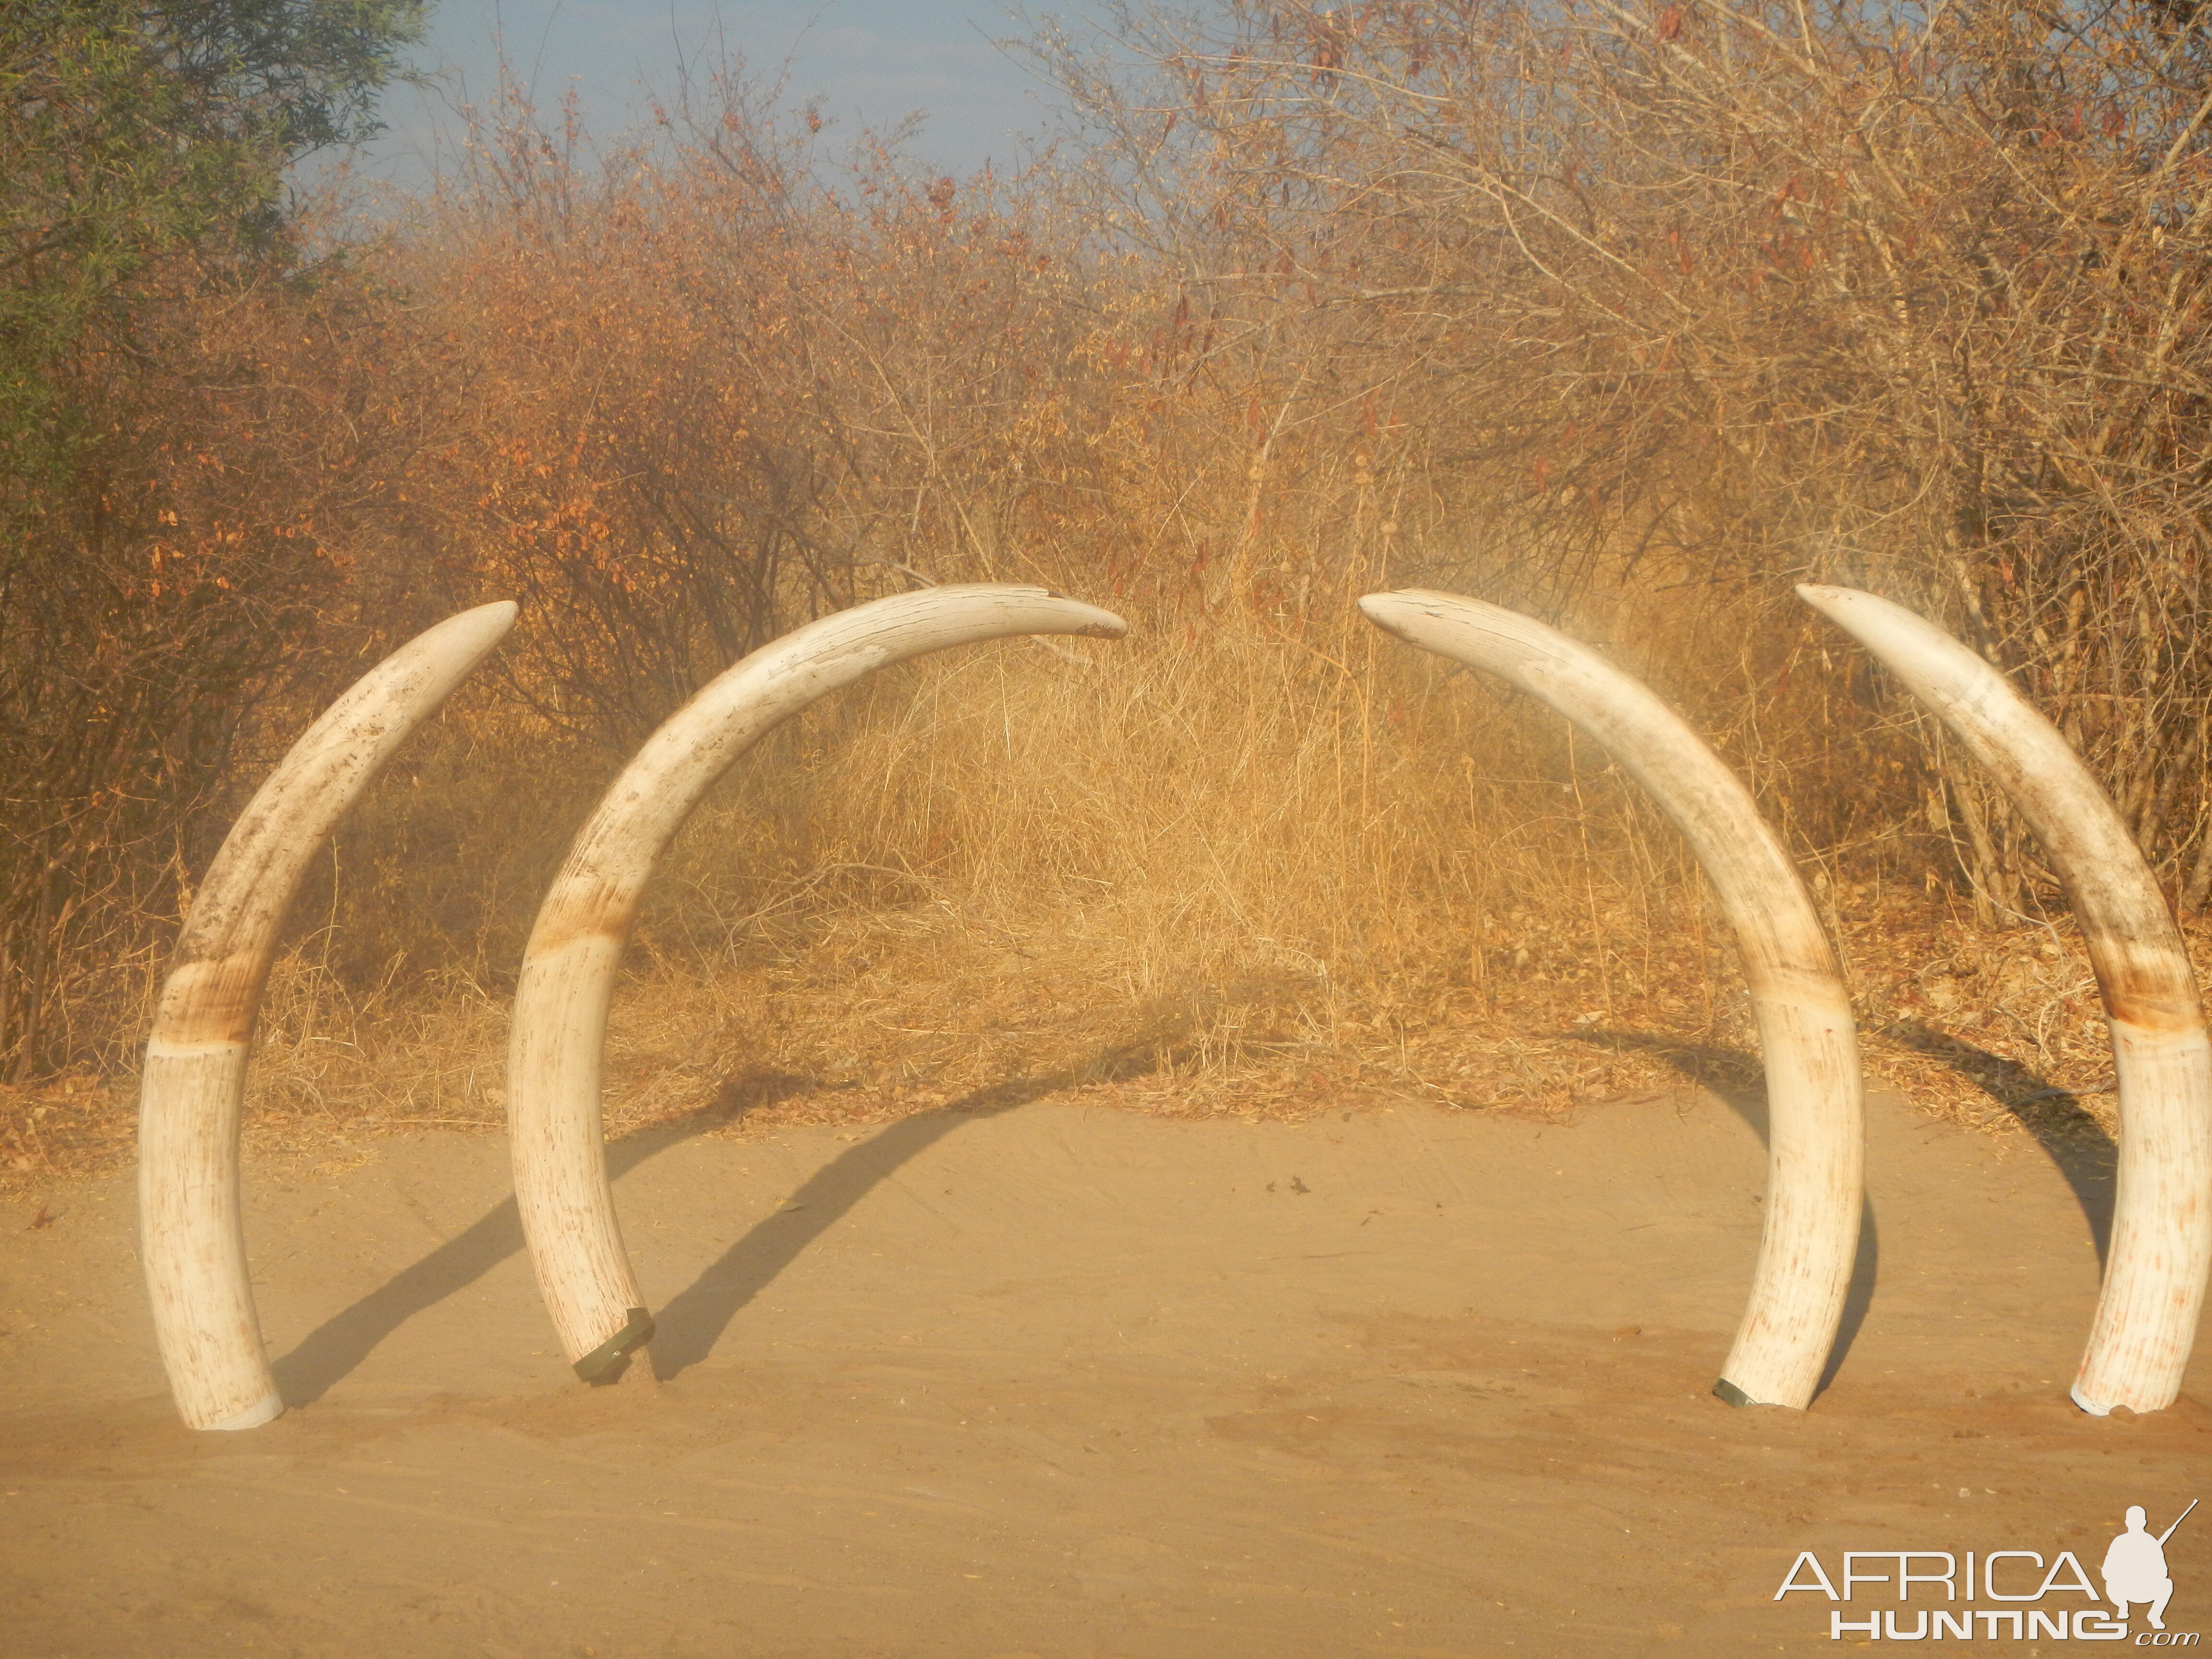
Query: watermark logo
{"points": [[2135, 1567], [2031, 1596]]}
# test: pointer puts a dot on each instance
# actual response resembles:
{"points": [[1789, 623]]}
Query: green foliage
{"points": [[130, 133], [152, 585]]}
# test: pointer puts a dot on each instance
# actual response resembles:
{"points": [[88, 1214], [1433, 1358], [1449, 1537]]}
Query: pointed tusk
{"points": [[1816, 1150], [559, 1036], [2161, 1244], [194, 1084]]}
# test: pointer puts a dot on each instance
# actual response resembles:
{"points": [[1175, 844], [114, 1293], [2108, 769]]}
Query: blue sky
{"points": [[864, 63]]}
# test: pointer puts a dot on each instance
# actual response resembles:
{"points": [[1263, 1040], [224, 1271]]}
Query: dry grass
{"points": [[1227, 872], [679, 395], [878, 1016]]}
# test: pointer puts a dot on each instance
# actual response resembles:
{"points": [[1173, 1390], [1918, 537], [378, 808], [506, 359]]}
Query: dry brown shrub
{"points": [[1617, 370], [1715, 296]]}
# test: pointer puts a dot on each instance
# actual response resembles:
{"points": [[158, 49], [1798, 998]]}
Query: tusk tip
{"points": [[468, 635], [1084, 621], [1832, 601], [494, 619], [1436, 621], [1391, 612]]}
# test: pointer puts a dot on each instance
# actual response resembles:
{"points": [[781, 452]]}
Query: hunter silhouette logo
{"points": [[2030, 1595], [2135, 1567]]}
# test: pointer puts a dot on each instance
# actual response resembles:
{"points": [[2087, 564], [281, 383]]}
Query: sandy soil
{"points": [[1061, 1380]]}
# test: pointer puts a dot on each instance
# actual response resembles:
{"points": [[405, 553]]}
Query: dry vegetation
{"points": [[1629, 315]]}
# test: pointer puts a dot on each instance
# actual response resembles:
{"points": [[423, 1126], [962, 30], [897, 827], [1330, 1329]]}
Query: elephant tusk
{"points": [[1816, 1153], [194, 1086], [557, 1044], [2161, 1242]]}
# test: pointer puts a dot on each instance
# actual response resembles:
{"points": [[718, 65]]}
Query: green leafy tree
{"points": [[131, 133], [156, 576]]}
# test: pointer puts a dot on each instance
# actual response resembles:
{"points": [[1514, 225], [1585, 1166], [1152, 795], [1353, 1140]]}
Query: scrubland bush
{"points": [[1626, 315], [1703, 297], [161, 554]]}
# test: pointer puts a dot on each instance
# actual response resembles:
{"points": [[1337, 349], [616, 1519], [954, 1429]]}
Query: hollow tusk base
{"points": [[610, 1358], [1729, 1394], [265, 1411], [2089, 1406]]}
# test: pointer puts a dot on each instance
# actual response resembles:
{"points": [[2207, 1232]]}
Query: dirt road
{"points": [[1067, 1381]]}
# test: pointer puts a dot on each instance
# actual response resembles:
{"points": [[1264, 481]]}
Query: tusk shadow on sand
{"points": [[2076, 1145], [696, 1317], [695, 1320], [333, 1348], [1735, 1078], [2074, 1142]]}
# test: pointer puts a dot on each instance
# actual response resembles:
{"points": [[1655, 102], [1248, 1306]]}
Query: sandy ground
{"points": [[1062, 1380]]}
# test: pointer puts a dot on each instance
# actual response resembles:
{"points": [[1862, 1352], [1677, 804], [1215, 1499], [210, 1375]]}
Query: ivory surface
{"points": [[557, 1042], [1816, 1136], [2161, 1242], [191, 1234]]}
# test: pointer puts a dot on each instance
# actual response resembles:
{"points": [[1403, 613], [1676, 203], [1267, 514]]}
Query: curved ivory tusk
{"points": [[1816, 1138], [559, 1036], [2161, 1244], [194, 1086]]}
